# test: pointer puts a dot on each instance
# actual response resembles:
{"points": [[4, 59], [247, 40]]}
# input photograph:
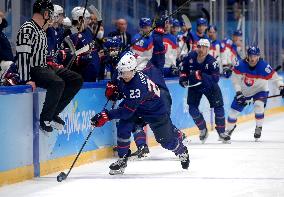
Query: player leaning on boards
{"points": [[61, 84], [141, 99], [250, 79], [200, 74]]}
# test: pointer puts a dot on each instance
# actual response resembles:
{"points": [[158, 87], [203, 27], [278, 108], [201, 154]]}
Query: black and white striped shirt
{"points": [[31, 48]]}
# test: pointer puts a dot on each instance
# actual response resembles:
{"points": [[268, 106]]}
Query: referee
{"points": [[61, 84]]}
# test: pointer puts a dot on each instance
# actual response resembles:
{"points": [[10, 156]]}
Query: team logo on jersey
{"points": [[191, 61], [248, 81]]}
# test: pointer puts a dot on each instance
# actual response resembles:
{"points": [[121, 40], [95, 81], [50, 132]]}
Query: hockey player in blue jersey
{"points": [[250, 79], [87, 64], [55, 36], [141, 99], [200, 73]]}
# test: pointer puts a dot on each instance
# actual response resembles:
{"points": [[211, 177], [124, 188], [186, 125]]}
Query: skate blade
{"points": [[116, 172], [186, 142], [203, 141], [57, 126], [47, 134], [256, 139], [136, 158], [226, 142]]}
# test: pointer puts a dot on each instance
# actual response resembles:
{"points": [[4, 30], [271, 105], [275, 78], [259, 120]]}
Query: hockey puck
{"points": [[62, 176]]}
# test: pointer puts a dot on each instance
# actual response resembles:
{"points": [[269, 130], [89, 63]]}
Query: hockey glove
{"points": [[227, 71], [100, 119], [282, 91], [54, 65], [112, 92], [183, 80], [241, 99], [195, 78]]}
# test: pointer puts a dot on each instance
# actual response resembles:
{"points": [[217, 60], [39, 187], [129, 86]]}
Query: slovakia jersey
{"points": [[143, 48], [171, 45], [182, 47], [141, 96], [230, 54], [193, 38], [253, 80]]}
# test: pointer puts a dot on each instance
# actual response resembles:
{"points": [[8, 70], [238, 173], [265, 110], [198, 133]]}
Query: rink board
{"points": [[26, 152]]}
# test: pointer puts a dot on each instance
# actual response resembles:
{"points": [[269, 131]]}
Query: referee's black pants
{"points": [[61, 85]]}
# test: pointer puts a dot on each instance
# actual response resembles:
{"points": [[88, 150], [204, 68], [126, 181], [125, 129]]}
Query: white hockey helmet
{"points": [[57, 10], [77, 12], [128, 62], [203, 42], [67, 22]]}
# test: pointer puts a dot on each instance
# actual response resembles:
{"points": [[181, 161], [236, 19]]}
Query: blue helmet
{"points": [[213, 27], [237, 33], [145, 22], [175, 23], [113, 42], [201, 21], [253, 50]]}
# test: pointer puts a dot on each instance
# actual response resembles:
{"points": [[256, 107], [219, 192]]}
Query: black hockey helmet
{"points": [[40, 6]]}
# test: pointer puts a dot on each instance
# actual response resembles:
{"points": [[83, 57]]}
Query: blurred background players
{"points": [[144, 47], [194, 37], [231, 52]]}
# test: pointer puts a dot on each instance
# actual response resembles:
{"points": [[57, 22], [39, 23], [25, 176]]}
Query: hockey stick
{"points": [[207, 15], [273, 96], [63, 176], [189, 26]]}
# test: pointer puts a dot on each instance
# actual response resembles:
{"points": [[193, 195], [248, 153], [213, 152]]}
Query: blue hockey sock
{"points": [[219, 119], [197, 117]]}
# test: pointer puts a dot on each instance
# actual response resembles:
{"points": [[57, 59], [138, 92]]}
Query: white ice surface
{"points": [[243, 168]]}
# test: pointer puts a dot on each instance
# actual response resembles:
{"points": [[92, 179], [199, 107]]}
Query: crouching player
{"points": [[141, 99]]}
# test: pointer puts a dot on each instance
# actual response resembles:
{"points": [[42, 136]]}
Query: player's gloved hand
{"points": [[227, 71], [183, 80], [282, 91], [100, 119], [241, 99], [111, 92], [195, 78], [174, 70], [54, 65]]}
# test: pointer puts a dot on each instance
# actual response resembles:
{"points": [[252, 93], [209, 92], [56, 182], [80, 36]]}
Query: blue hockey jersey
{"points": [[141, 96], [209, 69]]}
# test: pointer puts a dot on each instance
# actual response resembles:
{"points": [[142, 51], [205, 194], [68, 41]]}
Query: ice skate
{"points": [[257, 133], [119, 166], [203, 135], [184, 159], [225, 138], [141, 153], [57, 123]]}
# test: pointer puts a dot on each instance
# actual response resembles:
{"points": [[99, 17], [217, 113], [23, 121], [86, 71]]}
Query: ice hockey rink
{"points": [[243, 168]]}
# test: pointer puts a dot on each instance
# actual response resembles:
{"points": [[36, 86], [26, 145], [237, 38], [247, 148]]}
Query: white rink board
{"points": [[244, 168]]}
